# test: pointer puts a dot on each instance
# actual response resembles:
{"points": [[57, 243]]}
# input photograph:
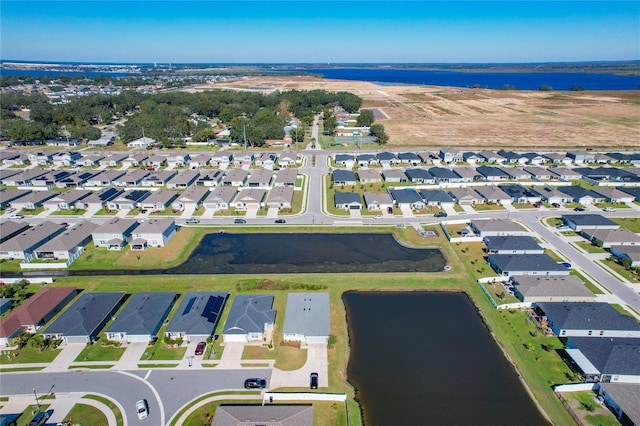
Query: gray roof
{"points": [[222, 193], [116, 225], [9, 195], [402, 196], [587, 316], [164, 196], [443, 173], [511, 243], [86, 314], [272, 415], [260, 176], [564, 285], [488, 171], [31, 237], [340, 175], [307, 314], [280, 194], [435, 195], [627, 396], [525, 262], [184, 178], [589, 220], [235, 175], [249, 314], [377, 198], [616, 356], [143, 314], [70, 238], [496, 225], [341, 198], [9, 228], [492, 193], [155, 226], [286, 176], [198, 313]]}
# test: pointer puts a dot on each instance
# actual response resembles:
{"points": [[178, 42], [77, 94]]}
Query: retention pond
{"points": [[427, 358]]}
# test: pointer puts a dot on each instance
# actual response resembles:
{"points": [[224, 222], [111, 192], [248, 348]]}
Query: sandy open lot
{"points": [[429, 116]]}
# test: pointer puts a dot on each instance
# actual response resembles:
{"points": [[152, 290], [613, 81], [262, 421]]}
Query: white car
{"points": [[378, 216], [142, 409], [16, 216], [608, 209]]}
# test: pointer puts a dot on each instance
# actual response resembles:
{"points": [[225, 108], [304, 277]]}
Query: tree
{"points": [[545, 88], [377, 130], [576, 88], [204, 135], [365, 119]]}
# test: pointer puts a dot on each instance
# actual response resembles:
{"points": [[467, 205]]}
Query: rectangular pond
{"points": [[427, 358]]}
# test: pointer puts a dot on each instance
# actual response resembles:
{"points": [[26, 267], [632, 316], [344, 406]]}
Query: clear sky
{"points": [[319, 32]]}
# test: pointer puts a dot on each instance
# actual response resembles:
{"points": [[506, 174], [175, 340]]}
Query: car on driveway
{"points": [[314, 381], [239, 221], [142, 408], [200, 348], [280, 221], [255, 383]]}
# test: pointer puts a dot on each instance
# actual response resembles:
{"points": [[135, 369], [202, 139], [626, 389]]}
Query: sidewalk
{"points": [[69, 353]]}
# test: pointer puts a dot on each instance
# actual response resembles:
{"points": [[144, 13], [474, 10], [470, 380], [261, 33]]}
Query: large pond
{"points": [[427, 358], [226, 253]]}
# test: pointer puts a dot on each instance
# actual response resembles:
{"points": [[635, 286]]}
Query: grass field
{"points": [[87, 414]]}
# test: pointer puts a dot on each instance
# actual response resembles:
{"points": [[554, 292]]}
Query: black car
{"points": [[579, 209], [255, 383], [239, 221], [314, 381], [440, 214], [281, 221]]}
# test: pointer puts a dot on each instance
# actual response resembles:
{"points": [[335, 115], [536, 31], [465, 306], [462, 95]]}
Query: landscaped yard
{"points": [[86, 415], [28, 355], [630, 223], [585, 406], [590, 248], [97, 352], [164, 351]]}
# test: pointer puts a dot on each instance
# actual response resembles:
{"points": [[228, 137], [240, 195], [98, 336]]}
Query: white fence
{"points": [[32, 280], [514, 305], [300, 396], [575, 387]]}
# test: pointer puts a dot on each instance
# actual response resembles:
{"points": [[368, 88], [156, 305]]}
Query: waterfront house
{"points": [[114, 234], [141, 319], [576, 319], [250, 319], [69, 244], [24, 244], [307, 318], [197, 316], [378, 201], [562, 288], [347, 200], [280, 197], [509, 265], [220, 198], [152, 233]]}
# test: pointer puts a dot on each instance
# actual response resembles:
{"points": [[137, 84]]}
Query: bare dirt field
{"points": [[430, 116]]}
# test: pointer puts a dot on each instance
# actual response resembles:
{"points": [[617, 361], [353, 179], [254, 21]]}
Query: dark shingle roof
{"points": [[589, 220], [198, 313], [144, 313], [511, 243], [528, 262], [346, 198], [249, 314], [86, 314], [403, 196], [587, 316], [619, 356], [435, 195], [340, 175]]}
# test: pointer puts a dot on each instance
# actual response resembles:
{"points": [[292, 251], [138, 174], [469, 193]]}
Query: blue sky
{"points": [[319, 32]]}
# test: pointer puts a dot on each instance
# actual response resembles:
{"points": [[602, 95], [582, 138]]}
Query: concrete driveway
{"points": [[317, 362]]}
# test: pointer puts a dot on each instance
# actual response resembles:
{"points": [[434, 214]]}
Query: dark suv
{"points": [[239, 221], [314, 381], [255, 383], [440, 214]]}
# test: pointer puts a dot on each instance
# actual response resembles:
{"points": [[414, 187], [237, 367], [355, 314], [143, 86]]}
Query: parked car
{"points": [[143, 211], [255, 383], [440, 214], [556, 205], [579, 209], [537, 205], [16, 216], [239, 221], [142, 408], [390, 210], [192, 220], [608, 209], [200, 348], [314, 381], [378, 216], [280, 221]]}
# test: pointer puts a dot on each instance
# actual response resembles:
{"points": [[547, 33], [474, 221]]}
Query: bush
{"points": [[332, 341]]}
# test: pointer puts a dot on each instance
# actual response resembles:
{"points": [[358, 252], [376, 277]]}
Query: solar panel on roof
{"points": [[212, 309], [187, 308]]}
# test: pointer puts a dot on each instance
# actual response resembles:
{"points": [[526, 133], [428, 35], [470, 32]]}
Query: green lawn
{"points": [[97, 352], [28, 355], [114, 408], [590, 248], [29, 412], [86, 415], [488, 207], [630, 223], [71, 212]]}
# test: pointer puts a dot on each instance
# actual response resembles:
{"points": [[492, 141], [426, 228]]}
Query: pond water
{"points": [[427, 358]]}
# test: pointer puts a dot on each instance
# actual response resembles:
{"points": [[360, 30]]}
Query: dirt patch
{"points": [[430, 116]]}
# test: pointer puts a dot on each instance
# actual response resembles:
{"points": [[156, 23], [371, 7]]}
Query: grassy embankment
{"points": [[535, 356]]}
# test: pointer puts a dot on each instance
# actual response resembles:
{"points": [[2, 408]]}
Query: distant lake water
{"points": [[427, 358], [89, 74], [490, 80]]}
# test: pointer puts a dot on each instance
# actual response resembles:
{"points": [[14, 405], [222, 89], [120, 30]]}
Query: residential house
{"points": [[509, 265], [235, 177], [611, 237], [288, 159], [492, 157], [221, 159], [535, 158], [513, 157], [286, 177], [66, 158], [386, 159], [614, 195], [472, 157], [266, 160], [98, 199], [552, 195], [159, 201], [135, 160], [129, 200], [24, 244], [197, 316], [343, 177], [158, 178], [451, 155], [378, 201], [409, 158], [407, 198], [49, 180], [190, 199], [497, 227], [512, 245], [280, 197], [76, 180], [626, 254], [24, 178], [178, 159], [69, 244], [465, 195], [199, 161], [558, 158], [7, 196], [394, 176], [141, 319], [275, 414], [307, 318], [114, 234], [469, 174], [369, 175], [344, 160], [105, 178], [85, 318], [366, 160], [516, 173], [243, 159], [143, 142], [36, 311], [563, 288], [9, 229], [606, 360], [633, 191], [260, 178], [581, 195], [131, 179], [493, 194], [67, 200], [67, 143], [347, 200], [538, 173], [250, 319], [154, 162], [445, 175], [581, 157], [579, 319], [492, 173], [183, 180], [5, 305], [209, 178], [113, 160], [520, 194], [41, 158], [419, 176], [91, 160], [437, 197], [249, 199], [220, 198], [581, 222], [623, 399], [564, 173], [152, 233]]}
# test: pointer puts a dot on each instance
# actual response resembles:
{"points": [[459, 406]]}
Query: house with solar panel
{"points": [[251, 319], [197, 316], [142, 317], [307, 318]]}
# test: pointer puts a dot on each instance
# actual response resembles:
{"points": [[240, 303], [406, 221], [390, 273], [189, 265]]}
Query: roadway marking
{"points": [[148, 374]]}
